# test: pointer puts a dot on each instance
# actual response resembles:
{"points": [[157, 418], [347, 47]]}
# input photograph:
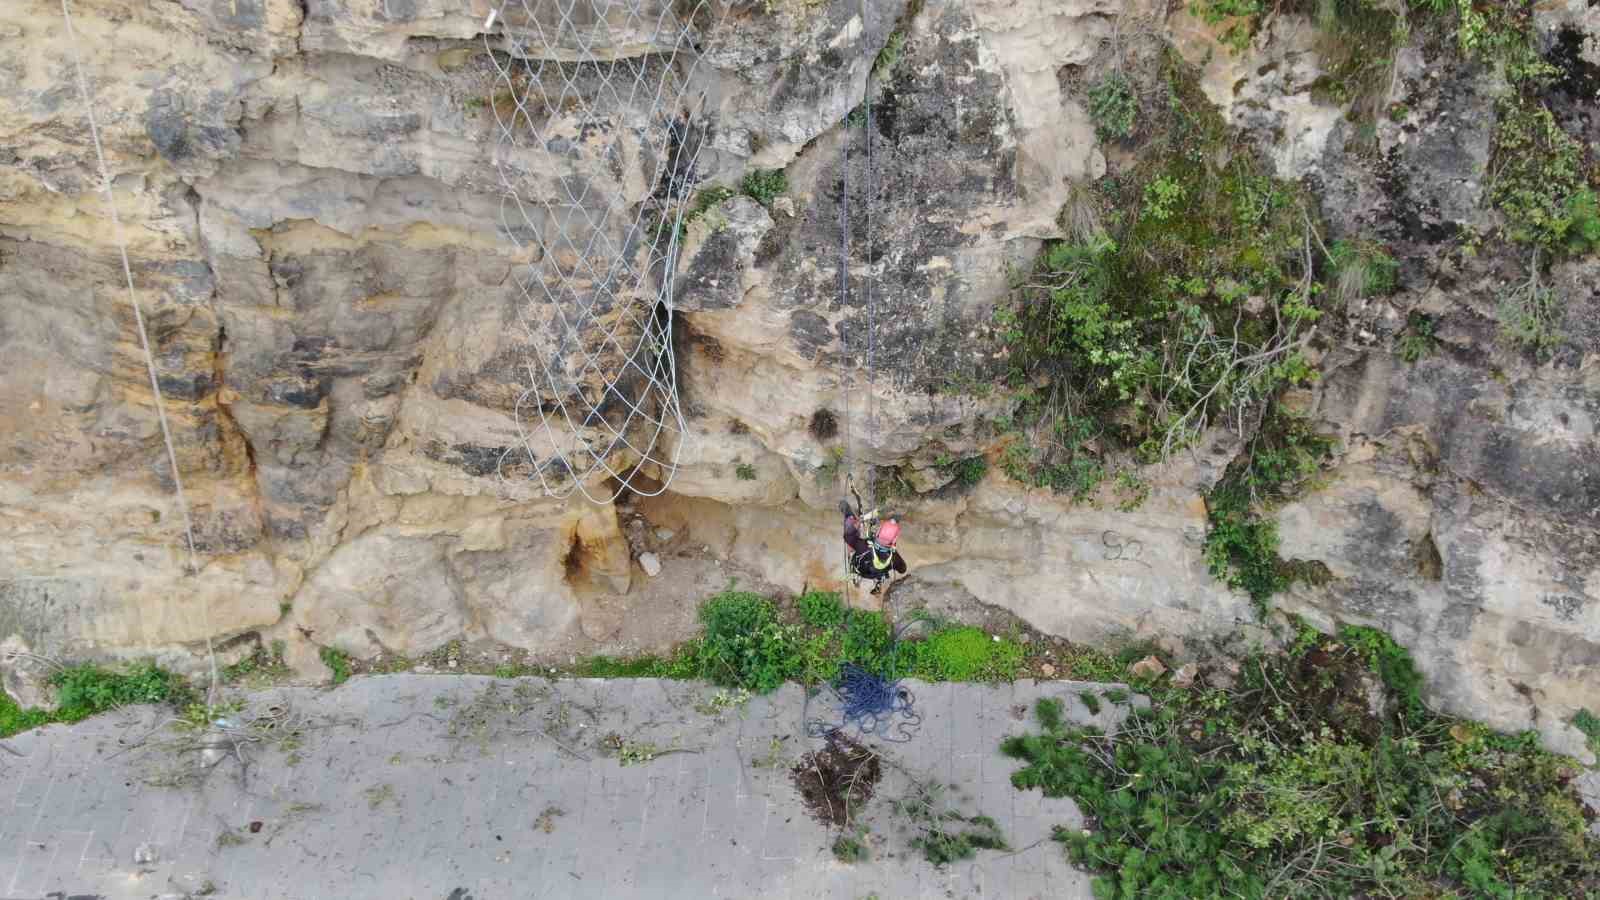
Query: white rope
{"points": [[598, 319], [144, 338]]}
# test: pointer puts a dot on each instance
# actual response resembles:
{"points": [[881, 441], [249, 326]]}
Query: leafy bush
{"points": [[338, 661], [83, 691], [966, 472], [1193, 301], [889, 57], [744, 645], [1113, 107], [1588, 723], [1288, 785], [1538, 180], [744, 471], [822, 609], [764, 185], [1241, 548], [86, 690], [963, 653]]}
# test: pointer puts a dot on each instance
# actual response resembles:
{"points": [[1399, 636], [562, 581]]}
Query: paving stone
{"points": [[414, 786]]}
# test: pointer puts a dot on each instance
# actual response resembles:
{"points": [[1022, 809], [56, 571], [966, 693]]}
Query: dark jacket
{"points": [[861, 554]]}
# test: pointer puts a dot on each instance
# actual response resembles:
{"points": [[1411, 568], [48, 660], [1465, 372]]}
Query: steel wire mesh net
{"points": [[597, 134]]}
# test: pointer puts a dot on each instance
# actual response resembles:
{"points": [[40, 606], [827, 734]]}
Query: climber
{"points": [[872, 554]]}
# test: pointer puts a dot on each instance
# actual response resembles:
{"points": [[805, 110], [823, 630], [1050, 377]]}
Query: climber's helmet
{"points": [[888, 533]]}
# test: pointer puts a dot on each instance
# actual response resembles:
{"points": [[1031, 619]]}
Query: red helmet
{"points": [[888, 533]]}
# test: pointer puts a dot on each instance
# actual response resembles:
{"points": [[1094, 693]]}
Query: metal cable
{"points": [[596, 301], [144, 337]]}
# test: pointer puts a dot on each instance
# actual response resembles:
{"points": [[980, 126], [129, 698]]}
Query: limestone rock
{"points": [[1185, 674], [342, 344], [650, 563], [1149, 667], [24, 675]]}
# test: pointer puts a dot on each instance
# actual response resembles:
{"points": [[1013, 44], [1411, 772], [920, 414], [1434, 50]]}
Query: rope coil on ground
{"points": [[596, 294], [874, 705]]}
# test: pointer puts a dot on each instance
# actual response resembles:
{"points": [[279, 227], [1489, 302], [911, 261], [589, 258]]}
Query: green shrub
{"points": [[1288, 785], [1531, 316], [1190, 298], [764, 185], [744, 645], [744, 471], [822, 609], [15, 720], [338, 661], [966, 472], [889, 57], [83, 691], [1417, 341], [849, 849], [1588, 723], [86, 690], [1538, 180], [1113, 107], [962, 653], [1241, 548]]}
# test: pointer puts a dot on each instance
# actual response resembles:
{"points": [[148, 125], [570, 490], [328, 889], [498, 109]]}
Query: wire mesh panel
{"points": [[596, 140]]}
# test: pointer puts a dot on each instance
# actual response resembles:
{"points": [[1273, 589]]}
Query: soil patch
{"points": [[837, 781]]}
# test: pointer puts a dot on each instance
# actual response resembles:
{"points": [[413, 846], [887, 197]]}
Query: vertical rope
{"points": [[144, 337], [866, 285]]}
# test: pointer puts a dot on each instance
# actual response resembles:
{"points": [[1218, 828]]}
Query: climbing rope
{"points": [[873, 705], [144, 337], [573, 78]]}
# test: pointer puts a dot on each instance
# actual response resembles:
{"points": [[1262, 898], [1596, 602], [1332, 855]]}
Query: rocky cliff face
{"points": [[314, 233]]}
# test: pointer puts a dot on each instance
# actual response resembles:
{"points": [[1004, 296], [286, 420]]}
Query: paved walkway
{"points": [[474, 788]]}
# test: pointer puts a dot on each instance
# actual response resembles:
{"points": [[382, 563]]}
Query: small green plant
{"points": [[744, 471], [475, 104], [338, 662], [263, 665], [83, 691], [1362, 269], [943, 834], [764, 185], [966, 472], [1588, 723], [828, 469], [1241, 547], [850, 848], [1091, 702], [378, 794], [1132, 491], [1113, 107], [887, 58], [86, 690], [1530, 315], [1417, 341], [1161, 198]]}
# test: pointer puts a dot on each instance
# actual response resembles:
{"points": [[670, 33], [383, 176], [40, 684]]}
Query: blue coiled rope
{"points": [[874, 705]]}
